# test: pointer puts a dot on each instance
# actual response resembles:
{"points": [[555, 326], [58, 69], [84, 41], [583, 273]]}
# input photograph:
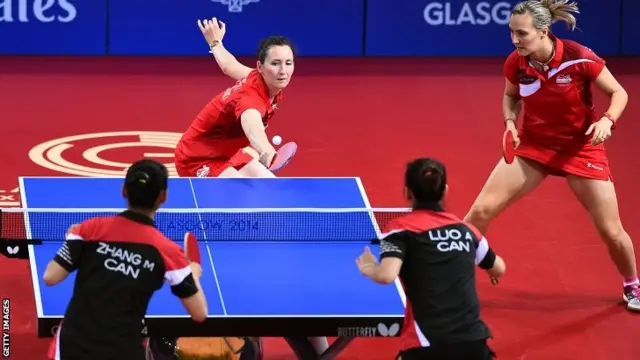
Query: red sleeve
{"points": [[392, 226], [177, 270], [510, 68], [73, 245], [592, 68], [249, 100]]}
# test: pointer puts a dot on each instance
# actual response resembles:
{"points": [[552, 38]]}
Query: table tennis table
{"points": [[278, 256]]}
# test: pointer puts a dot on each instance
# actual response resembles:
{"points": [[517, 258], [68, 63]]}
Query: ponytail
{"points": [[562, 10], [144, 182], [426, 179]]}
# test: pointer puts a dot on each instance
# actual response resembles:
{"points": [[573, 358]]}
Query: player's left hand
{"points": [[601, 131], [212, 30], [366, 260]]}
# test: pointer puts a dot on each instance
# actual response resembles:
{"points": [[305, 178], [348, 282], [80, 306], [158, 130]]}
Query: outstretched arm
{"points": [[213, 34]]}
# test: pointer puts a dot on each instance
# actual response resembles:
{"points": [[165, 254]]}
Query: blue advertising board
{"points": [[630, 35], [53, 27], [317, 28], [473, 28], [169, 27]]}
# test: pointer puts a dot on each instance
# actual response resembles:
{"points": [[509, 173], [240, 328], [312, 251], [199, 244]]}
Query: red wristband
{"points": [[613, 120]]}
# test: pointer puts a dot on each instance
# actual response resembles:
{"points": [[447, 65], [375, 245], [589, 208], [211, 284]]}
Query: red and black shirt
{"points": [[121, 261], [439, 254]]}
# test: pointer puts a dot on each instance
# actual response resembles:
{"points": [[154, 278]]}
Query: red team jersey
{"points": [[215, 139], [558, 110]]}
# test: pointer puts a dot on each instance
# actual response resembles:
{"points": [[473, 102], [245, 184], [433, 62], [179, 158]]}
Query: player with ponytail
{"points": [[561, 132], [435, 255]]}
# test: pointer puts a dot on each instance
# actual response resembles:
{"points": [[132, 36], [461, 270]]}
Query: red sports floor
{"points": [[561, 297]]}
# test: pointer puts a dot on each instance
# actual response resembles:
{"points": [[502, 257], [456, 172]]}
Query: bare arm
{"points": [[498, 269], [228, 63], [213, 31], [252, 125], [488, 261], [196, 304], [54, 273], [511, 102], [384, 273], [617, 94]]}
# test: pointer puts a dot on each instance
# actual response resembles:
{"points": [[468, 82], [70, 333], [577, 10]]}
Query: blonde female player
{"points": [[561, 133], [227, 138]]}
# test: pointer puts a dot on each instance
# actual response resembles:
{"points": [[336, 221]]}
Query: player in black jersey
{"points": [[434, 254], [121, 261]]}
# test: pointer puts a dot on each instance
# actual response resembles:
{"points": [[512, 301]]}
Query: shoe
{"points": [[631, 295]]}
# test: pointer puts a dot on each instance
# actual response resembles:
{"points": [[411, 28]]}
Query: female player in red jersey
{"points": [[561, 132], [227, 138]]}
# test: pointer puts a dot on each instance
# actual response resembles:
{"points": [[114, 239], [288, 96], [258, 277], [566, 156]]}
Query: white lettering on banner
{"points": [[484, 13], [451, 239], [123, 261], [42, 10]]}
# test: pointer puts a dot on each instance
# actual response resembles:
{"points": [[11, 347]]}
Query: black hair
{"points": [[145, 181], [267, 43], [426, 178]]}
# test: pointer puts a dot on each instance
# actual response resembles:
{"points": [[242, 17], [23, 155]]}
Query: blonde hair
{"points": [[546, 12]]}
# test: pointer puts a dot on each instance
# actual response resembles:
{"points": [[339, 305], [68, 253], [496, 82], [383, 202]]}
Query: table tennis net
{"points": [[317, 225]]}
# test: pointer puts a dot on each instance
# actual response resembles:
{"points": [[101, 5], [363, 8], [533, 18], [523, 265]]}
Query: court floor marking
{"points": [[367, 204], [206, 244], [32, 255]]}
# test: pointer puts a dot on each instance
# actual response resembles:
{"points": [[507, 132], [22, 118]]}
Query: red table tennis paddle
{"points": [[283, 156], [191, 248], [508, 148]]}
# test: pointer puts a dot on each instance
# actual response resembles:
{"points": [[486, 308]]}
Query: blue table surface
{"points": [[263, 279], [255, 278], [82, 193]]}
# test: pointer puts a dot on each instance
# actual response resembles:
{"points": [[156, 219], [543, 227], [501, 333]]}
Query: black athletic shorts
{"points": [[473, 350]]}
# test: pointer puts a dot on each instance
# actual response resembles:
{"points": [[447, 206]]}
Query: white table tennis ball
{"points": [[276, 140]]}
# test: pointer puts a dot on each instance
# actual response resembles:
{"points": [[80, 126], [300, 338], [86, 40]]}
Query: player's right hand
{"points": [[211, 30], [266, 158], [511, 126]]}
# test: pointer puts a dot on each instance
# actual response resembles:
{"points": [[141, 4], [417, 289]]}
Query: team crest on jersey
{"points": [[563, 79], [203, 171]]}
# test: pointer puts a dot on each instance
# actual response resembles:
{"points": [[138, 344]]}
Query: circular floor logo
{"points": [[105, 154]]}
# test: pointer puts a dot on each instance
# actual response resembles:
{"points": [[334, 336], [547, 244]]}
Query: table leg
{"points": [[304, 350]]}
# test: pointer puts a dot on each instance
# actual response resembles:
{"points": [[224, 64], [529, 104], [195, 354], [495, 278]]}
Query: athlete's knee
{"points": [[230, 172], [255, 168], [613, 233], [482, 212]]}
